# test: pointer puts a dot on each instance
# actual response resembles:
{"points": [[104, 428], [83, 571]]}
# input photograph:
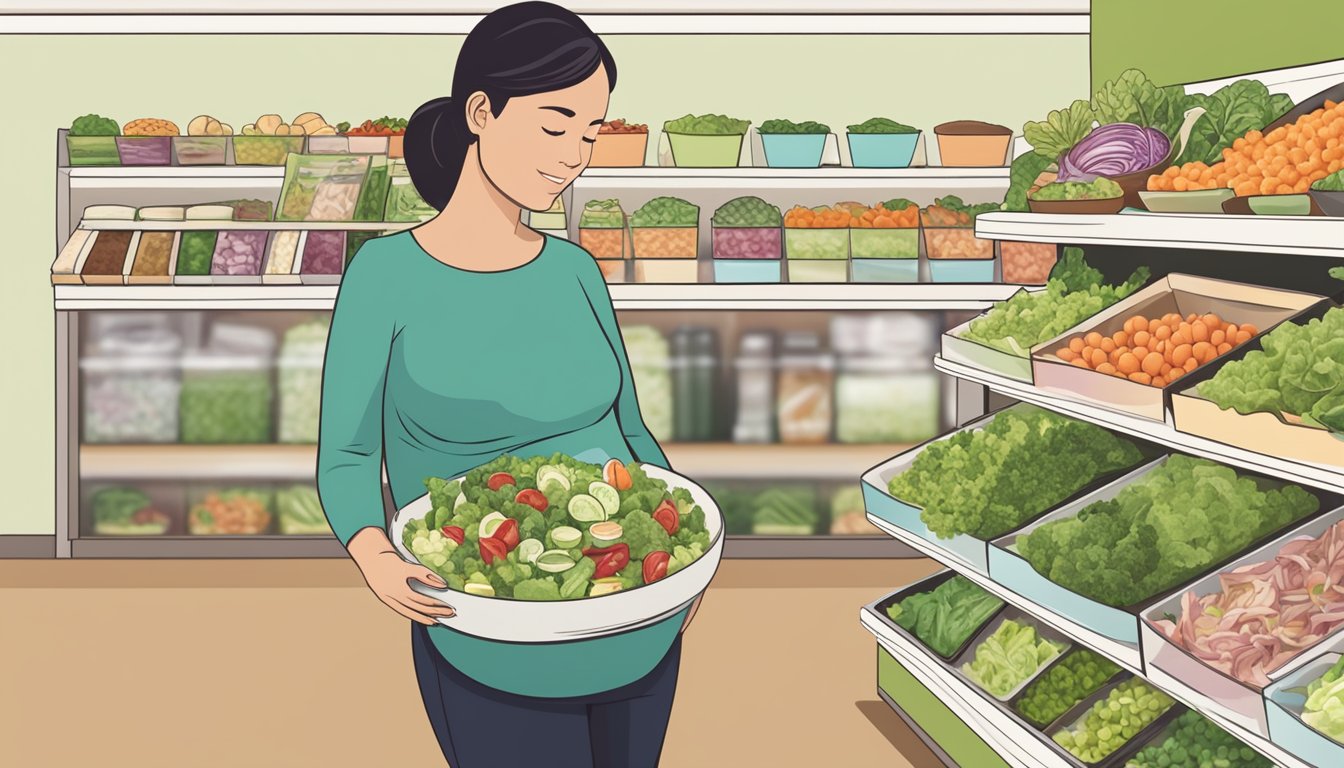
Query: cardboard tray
{"points": [[1284, 701], [1120, 756], [1179, 670], [964, 549], [957, 348], [1121, 624], [926, 585], [1239, 302], [1276, 434], [1045, 631]]}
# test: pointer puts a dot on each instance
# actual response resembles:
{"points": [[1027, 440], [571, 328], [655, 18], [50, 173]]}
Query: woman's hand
{"points": [[389, 577]]}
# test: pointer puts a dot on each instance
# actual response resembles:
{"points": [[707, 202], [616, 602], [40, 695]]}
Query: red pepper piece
{"points": [[610, 560], [532, 498], [507, 532], [499, 480], [493, 549], [655, 566], [453, 532], [606, 567], [667, 516]]}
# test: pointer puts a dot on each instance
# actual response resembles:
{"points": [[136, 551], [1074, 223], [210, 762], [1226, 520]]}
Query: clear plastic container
{"points": [[650, 364], [602, 242], [227, 392], [131, 385], [747, 242], [816, 244], [805, 383], [299, 381], [230, 510], [755, 389], [1027, 263], [885, 400]]}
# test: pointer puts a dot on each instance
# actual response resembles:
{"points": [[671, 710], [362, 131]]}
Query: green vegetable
{"points": [[747, 212], [988, 481], [94, 125], [300, 511], [944, 617], [1077, 676], [1060, 130], [897, 204], [1195, 741], [1332, 183], [1300, 371], [881, 125], [1074, 271], [666, 212], [576, 579], [954, 203], [1010, 655], [785, 512], [1112, 722], [1133, 98], [602, 214], [225, 406], [1099, 189], [644, 535], [707, 125], [126, 512], [1324, 709], [536, 589], [788, 126], [1177, 521], [1230, 113], [1031, 317], [343, 126], [194, 252], [1025, 171]]}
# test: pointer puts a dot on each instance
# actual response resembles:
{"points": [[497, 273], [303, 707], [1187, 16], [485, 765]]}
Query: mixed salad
{"points": [[556, 529]]}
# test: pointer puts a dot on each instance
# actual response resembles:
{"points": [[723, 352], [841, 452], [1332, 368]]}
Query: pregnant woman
{"points": [[473, 336]]}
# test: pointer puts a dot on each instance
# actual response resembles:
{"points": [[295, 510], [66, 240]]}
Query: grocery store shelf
{"points": [[173, 547], [1315, 475], [965, 181], [1012, 739], [1124, 654], [914, 296], [1307, 235], [159, 172], [692, 17], [288, 462]]}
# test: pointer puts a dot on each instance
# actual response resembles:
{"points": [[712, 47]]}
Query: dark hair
{"points": [[518, 50]]}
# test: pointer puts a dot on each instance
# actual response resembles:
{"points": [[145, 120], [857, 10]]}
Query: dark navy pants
{"points": [[481, 727]]}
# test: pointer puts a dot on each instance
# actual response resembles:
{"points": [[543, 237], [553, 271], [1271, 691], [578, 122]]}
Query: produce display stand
{"points": [[80, 187], [1284, 252]]}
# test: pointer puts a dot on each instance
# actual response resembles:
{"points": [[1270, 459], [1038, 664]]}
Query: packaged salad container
{"points": [[91, 150], [230, 510], [323, 257], [1027, 263], [620, 145], [226, 392], [480, 614], [602, 230], [130, 387], [403, 200], [881, 143], [706, 141], [666, 228], [748, 270], [206, 143], [888, 230], [145, 150], [815, 234], [238, 257], [955, 254], [299, 380], [106, 261], [793, 145], [145, 509]]}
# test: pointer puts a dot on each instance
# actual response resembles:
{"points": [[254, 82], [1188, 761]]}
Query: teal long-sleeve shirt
{"points": [[436, 370]]}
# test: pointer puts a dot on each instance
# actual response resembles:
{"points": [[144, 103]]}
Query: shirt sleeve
{"points": [[350, 437], [642, 443]]}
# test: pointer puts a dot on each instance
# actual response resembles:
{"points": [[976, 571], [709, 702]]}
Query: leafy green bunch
{"points": [[747, 212], [94, 125], [986, 482], [788, 126], [881, 125], [1177, 521], [666, 212], [707, 125], [947, 615], [1298, 370]]}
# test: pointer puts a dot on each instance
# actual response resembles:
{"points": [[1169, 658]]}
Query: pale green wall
{"points": [[50, 80]]}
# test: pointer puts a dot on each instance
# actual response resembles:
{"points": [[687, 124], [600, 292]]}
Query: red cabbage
{"points": [[1114, 150]]}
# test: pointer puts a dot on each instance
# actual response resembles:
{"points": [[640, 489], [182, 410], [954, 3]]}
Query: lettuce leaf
{"points": [[1022, 176], [1060, 130], [1133, 98], [1230, 113]]}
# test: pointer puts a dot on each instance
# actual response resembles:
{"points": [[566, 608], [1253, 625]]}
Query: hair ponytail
{"points": [[436, 148], [518, 50]]}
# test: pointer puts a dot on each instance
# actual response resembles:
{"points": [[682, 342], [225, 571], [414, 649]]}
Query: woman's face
{"points": [[539, 144]]}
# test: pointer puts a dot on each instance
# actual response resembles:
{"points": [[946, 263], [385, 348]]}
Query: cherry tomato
{"points": [[532, 498], [453, 532], [499, 480], [610, 560], [667, 516], [507, 532], [655, 566], [493, 549]]}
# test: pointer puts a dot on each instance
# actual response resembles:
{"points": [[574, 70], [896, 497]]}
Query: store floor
{"points": [[294, 663]]}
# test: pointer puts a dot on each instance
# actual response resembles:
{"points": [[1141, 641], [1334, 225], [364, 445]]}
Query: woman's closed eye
{"points": [[549, 132]]}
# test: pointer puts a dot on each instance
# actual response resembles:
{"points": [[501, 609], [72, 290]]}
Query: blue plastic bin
{"points": [[961, 270], [793, 150], [885, 270], [747, 271], [882, 150]]}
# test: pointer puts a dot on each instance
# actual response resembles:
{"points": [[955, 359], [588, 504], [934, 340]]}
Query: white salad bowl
{"points": [[524, 621]]}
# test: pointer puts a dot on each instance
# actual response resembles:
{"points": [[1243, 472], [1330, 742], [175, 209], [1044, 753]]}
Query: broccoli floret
{"points": [[644, 535], [94, 125], [536, 589]]}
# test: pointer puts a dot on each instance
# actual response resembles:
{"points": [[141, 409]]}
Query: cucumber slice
{"points": [[566, 536], [607, 495], [554, 561], [529, 550], [484, 590], [549, 474], [604, 588], [609, 530], [489, 523], [587, 509], [461, 499]]}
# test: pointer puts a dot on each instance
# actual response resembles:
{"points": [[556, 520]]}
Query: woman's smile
{"points": [[553, 179]]}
